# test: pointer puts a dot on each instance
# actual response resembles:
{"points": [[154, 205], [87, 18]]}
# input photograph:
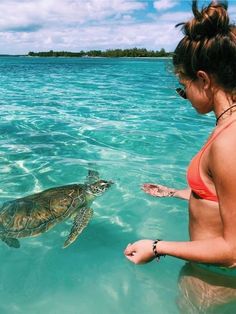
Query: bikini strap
{"points": [[215, 135]]}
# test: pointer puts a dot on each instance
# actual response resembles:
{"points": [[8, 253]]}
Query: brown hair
{"points": [[209, 44]]}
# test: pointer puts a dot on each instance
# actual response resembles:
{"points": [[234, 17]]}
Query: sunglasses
{"points": [[181, 92]]}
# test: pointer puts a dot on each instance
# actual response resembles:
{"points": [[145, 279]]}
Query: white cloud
{"points": [[148, 35], [48, 13], [175, 17], [76, 25], [164, 4]]}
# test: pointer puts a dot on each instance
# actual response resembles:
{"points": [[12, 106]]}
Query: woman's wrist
{"points": [[157, 254], [183, 194], [172, 193]]}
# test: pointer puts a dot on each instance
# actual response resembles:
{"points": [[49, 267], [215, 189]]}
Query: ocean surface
{"points": [[121, 117]]}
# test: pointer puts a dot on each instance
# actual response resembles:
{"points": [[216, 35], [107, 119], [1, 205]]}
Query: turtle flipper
{"points": [[80, 222], [92, 176], [11, 242]]}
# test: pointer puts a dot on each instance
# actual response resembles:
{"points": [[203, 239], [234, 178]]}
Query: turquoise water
{"points": [[60, 117]]}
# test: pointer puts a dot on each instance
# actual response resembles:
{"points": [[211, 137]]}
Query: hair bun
{"points": [[208, 22]]}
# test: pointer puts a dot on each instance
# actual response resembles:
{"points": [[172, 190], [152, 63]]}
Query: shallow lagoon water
{"points": [[121, 117]]}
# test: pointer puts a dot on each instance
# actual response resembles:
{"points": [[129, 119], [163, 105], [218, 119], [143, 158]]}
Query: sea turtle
{"points": [[37, 213]]}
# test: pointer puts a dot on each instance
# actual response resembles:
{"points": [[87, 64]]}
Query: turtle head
{"points": [[98, 187]]}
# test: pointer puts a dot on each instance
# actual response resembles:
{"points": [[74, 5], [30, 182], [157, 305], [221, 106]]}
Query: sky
{"points": [[75, 25]]}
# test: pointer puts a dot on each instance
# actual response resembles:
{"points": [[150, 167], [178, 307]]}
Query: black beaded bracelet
{"points": [[171, 194], [154, 248]]}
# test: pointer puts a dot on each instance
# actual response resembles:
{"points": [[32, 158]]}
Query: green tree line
{"points": [[110, 53]]}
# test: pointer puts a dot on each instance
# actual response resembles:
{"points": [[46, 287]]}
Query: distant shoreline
{"points": [[6, 55], [27, 56], [109, 53], [115, 53]]}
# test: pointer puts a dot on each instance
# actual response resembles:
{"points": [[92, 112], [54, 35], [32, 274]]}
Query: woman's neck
{"points": [[224, 106]]}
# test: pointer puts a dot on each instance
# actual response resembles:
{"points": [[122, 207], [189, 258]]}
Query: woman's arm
{"points": [[213, 251], [216, 250], [158, 190]]}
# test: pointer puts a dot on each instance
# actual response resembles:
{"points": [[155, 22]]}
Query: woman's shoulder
{"points": [[225, 139]]}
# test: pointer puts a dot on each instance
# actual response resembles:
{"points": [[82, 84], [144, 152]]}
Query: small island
{"points": [[110, 53]]}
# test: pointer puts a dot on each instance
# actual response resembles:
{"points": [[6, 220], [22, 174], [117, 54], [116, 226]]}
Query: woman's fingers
{"points": [[153, 189], [140, 252], [157, 190], [149, 186], [129, 249]]}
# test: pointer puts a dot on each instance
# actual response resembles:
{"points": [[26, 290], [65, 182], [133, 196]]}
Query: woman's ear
{"points": [[204, 79]]}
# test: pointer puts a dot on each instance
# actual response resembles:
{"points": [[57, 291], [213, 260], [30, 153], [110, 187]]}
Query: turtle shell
{"points": [[34, 214]]}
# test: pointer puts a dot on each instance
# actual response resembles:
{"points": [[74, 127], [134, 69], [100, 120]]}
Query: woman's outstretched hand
{"points": [[158, 190], [140, 252]]}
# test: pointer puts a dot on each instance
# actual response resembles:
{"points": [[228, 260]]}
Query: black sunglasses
{"points": [[181, 92]]}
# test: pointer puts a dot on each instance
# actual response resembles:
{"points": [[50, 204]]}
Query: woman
{"points": [[205, 64]]}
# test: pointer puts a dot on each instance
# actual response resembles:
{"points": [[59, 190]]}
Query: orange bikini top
{"points": [[194, 179]]}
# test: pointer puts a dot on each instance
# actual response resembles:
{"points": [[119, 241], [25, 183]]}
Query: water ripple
{"points": [[59, 117]]}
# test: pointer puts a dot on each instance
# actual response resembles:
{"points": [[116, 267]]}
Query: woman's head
{"points": [[209, 45]]}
